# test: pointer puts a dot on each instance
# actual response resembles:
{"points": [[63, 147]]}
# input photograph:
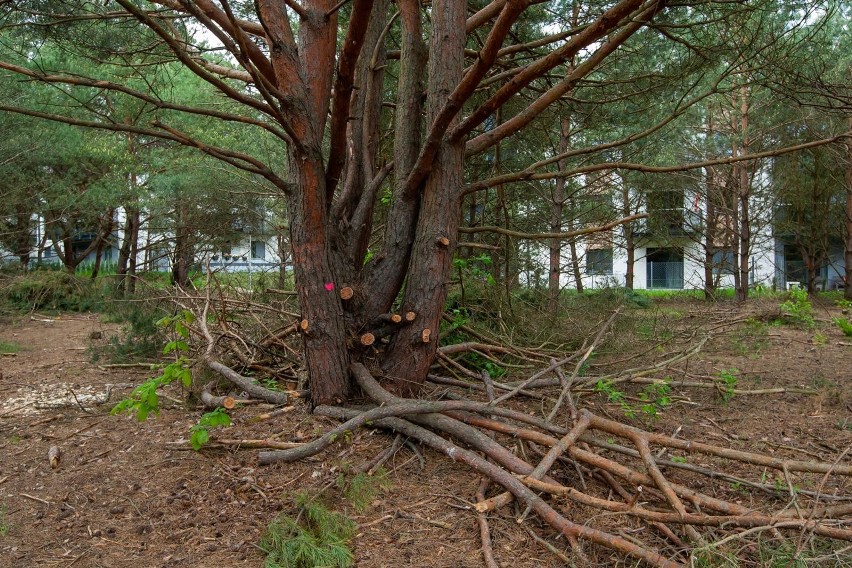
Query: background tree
{"points": [[311, 81]]}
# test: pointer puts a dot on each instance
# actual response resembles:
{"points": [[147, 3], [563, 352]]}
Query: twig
{"points": [[35, 499], [484, 530], [553, 550]]}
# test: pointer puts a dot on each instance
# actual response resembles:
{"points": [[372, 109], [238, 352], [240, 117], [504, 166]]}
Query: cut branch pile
{"points": [[594, 476]]}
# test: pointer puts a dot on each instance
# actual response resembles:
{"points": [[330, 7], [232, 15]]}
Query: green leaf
{"points": [[176, 345], [186, 378], [199, 438]]}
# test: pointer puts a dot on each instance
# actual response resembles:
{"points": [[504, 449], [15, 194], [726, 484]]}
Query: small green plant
{"points": [[144, 400], [7, 347], [678, 459], [4, 524], [607, 388], [751, 338], [844, 325], [778, 555], [711, 556], [820, 338], [655, 397], [728, 384], [200, 432], [798, 309], [315, 537], [361, 488], [843, 304]]}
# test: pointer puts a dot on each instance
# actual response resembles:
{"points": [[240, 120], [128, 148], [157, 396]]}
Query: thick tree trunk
{"points": [[323, 323], [413, 350]]}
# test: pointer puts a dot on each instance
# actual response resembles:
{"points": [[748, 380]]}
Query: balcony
{"points": [[663, 223]]}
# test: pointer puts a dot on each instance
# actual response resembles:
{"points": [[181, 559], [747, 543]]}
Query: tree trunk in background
{"points": [[847, 249], [572, 247], [22, 238], [283, 245], [710, 230], [131, 235], [103, 240], [183, 248], [629, 239], [556, 208], [741, 203]]}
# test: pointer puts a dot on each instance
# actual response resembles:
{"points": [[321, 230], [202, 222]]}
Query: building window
{"points": [[665, 268], [599, 261], [258, 250], [723, 261]]}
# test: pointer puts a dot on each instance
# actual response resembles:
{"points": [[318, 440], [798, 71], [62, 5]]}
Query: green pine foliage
{"points": [[362, 488], [315, 537]]}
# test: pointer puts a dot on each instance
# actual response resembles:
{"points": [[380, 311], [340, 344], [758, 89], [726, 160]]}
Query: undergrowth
{"points": [[4, 524], [361, 489], [315, 537], [50, 290], [798, 309], [844, 325]]}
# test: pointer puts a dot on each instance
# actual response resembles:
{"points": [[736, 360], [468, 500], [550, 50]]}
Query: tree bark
{"points": [[410, 357], [126, 269], [183, 248], [556, 208], [744, 196], [847, 249], [325, 337]]}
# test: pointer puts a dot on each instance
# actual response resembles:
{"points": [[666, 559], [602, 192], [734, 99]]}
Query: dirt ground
{"points": [[125, 494]]}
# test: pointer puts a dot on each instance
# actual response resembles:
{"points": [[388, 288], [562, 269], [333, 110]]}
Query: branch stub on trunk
{"points": [[346, 293], [368, 339], [443, 242], [304, 325], [426, 335], [410, 316]]}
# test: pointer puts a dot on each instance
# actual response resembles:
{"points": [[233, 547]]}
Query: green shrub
{"points": [[844, 325], [798, 309], [51, 290], [140, 337]]}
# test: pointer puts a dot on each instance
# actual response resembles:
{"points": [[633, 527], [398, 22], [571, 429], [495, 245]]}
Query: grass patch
{"points": [[4, 524], [844, 325], [751, 338], [8, 347]]}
